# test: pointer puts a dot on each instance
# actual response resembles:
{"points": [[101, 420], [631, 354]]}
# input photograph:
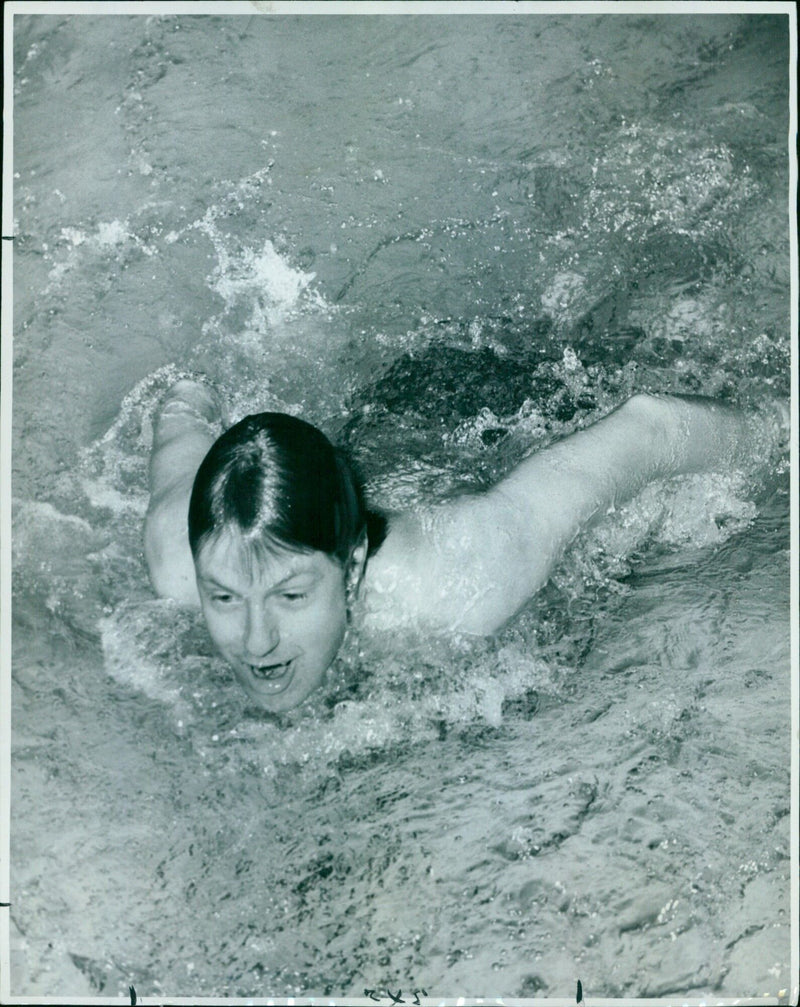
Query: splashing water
{"points": [[383, 228]]}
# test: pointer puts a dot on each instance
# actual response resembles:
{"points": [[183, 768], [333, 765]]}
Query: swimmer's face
{"points": [[278, 621]]}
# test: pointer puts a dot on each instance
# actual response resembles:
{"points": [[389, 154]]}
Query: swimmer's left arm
{"points": [[646, 438], [475, 561], [557, 492]]}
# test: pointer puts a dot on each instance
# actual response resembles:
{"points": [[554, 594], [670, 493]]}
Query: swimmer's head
{"points": [[277, 481], [277, 528]]}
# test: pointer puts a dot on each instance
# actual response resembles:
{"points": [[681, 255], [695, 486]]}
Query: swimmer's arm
{"points": [[478, 559], [173, 465], [166, 547], [649, 437]]}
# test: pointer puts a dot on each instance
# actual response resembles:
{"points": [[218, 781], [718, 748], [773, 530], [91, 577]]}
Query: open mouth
{"points": [[273, 676]]}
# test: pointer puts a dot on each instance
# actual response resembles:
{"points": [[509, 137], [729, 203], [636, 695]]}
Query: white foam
{"points": [[694, 512], [260, 278], [564, 290], [142, 650], [39, 531], [102, 494], [113, 232]]}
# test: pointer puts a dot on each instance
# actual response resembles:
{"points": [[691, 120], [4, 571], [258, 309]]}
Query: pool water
{"points": [[446, 240]]}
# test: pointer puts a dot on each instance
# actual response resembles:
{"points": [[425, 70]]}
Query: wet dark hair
{"points": [[280, 483]]}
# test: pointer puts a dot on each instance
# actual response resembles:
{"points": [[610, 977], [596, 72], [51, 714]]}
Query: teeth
{"points": [[269, 671]]}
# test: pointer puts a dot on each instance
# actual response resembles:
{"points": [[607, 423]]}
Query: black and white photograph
{"points": [[399, 503]]}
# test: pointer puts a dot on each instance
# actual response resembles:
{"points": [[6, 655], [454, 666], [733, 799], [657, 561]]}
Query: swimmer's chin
{"points": [[280, 703]]}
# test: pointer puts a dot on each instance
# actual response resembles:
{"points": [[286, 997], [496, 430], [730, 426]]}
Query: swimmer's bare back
{"points": [[471, 563]]}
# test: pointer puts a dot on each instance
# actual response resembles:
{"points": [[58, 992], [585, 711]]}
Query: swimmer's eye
{"points": [[222, 599]]}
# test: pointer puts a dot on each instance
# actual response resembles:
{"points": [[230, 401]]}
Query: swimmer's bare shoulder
{"points": [[456, 566], [470, 564]]}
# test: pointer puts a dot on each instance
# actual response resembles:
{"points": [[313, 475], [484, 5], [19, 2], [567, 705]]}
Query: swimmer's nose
{"points": [[263, 635]]}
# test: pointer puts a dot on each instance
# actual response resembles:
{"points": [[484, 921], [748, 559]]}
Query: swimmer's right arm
{"points": [[180, 441]]}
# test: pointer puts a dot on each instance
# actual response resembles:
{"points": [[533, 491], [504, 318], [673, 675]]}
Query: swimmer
{"points": [[279, 544]]}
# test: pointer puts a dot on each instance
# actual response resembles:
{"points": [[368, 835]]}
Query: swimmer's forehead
{"points": [[230, 558]]}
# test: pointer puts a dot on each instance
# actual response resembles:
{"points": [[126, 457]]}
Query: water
{"points": [[445, 240]]}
